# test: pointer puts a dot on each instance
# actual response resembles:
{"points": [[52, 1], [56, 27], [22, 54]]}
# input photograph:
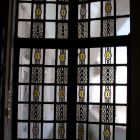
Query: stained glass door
{"points": [[77, 89]]}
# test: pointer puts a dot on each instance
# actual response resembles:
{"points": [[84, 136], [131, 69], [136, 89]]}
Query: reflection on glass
{"points": [[94, 113], [48, 130], [94, 94], [48, 93], [24, 11], [24, 74], [121, 75], [94, 74], [50, 57], [120, 132], [48, 112], [122, 26], [93, 132], [50, 11], [22, 130], [95, 10], [50, 30], [23, 111], [24, 29], [121, 94], [49, 75], [121, 55], [24, 56], [120, 114], [95, 28], [122, 7], [95, 55]]}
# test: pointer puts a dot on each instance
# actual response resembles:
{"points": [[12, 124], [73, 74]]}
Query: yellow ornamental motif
{"points": [[36, 92], [62, 57], [106, 133], [61, 130], [35, 130], [37, 56], [38, 12], [107, 94], [108, 7], [63, 12], [61, 93], [82, 56], [108, 55], [82, 93]]}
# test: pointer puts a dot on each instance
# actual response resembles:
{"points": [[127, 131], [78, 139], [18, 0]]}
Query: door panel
{"points": [[42, 94]]}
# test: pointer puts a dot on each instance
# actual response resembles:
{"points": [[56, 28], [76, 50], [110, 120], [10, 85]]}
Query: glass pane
{"points": [[22, 111], [49, 75], [36, 93], [24, 74], [50, 30], [48, 112], [35, 130], [24, 11], [22, 130], [24, 56], [48, 130], [107, 132], [61, 94], [82, 11], [108, 55], [94, 94], [23, 93], [38, 11], [121, 75], [108, 8], [93, 132], [49, 56], [63, 12], [95, 10], [61, 112], [95, 28], [120, 114], [122, 7], [94, 111], [122, 26], [36, 75], [121, 55], [24, 29], [82, 56], [83, 29], [61, 130], [37, 56], [48, 93], [81, 93], [50, 11], [107, 94], [121, 94], [82, 75], [94, 74], [81, 131], [95, 56], [62, 57], [120, 132]]}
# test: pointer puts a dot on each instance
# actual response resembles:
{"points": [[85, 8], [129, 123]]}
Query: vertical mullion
{"points": [[44, 19], [31, 50], [100, 117], [55, 93], [42, 104], [114, 93], [88, 59], [56, 24], [31, 20]]}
